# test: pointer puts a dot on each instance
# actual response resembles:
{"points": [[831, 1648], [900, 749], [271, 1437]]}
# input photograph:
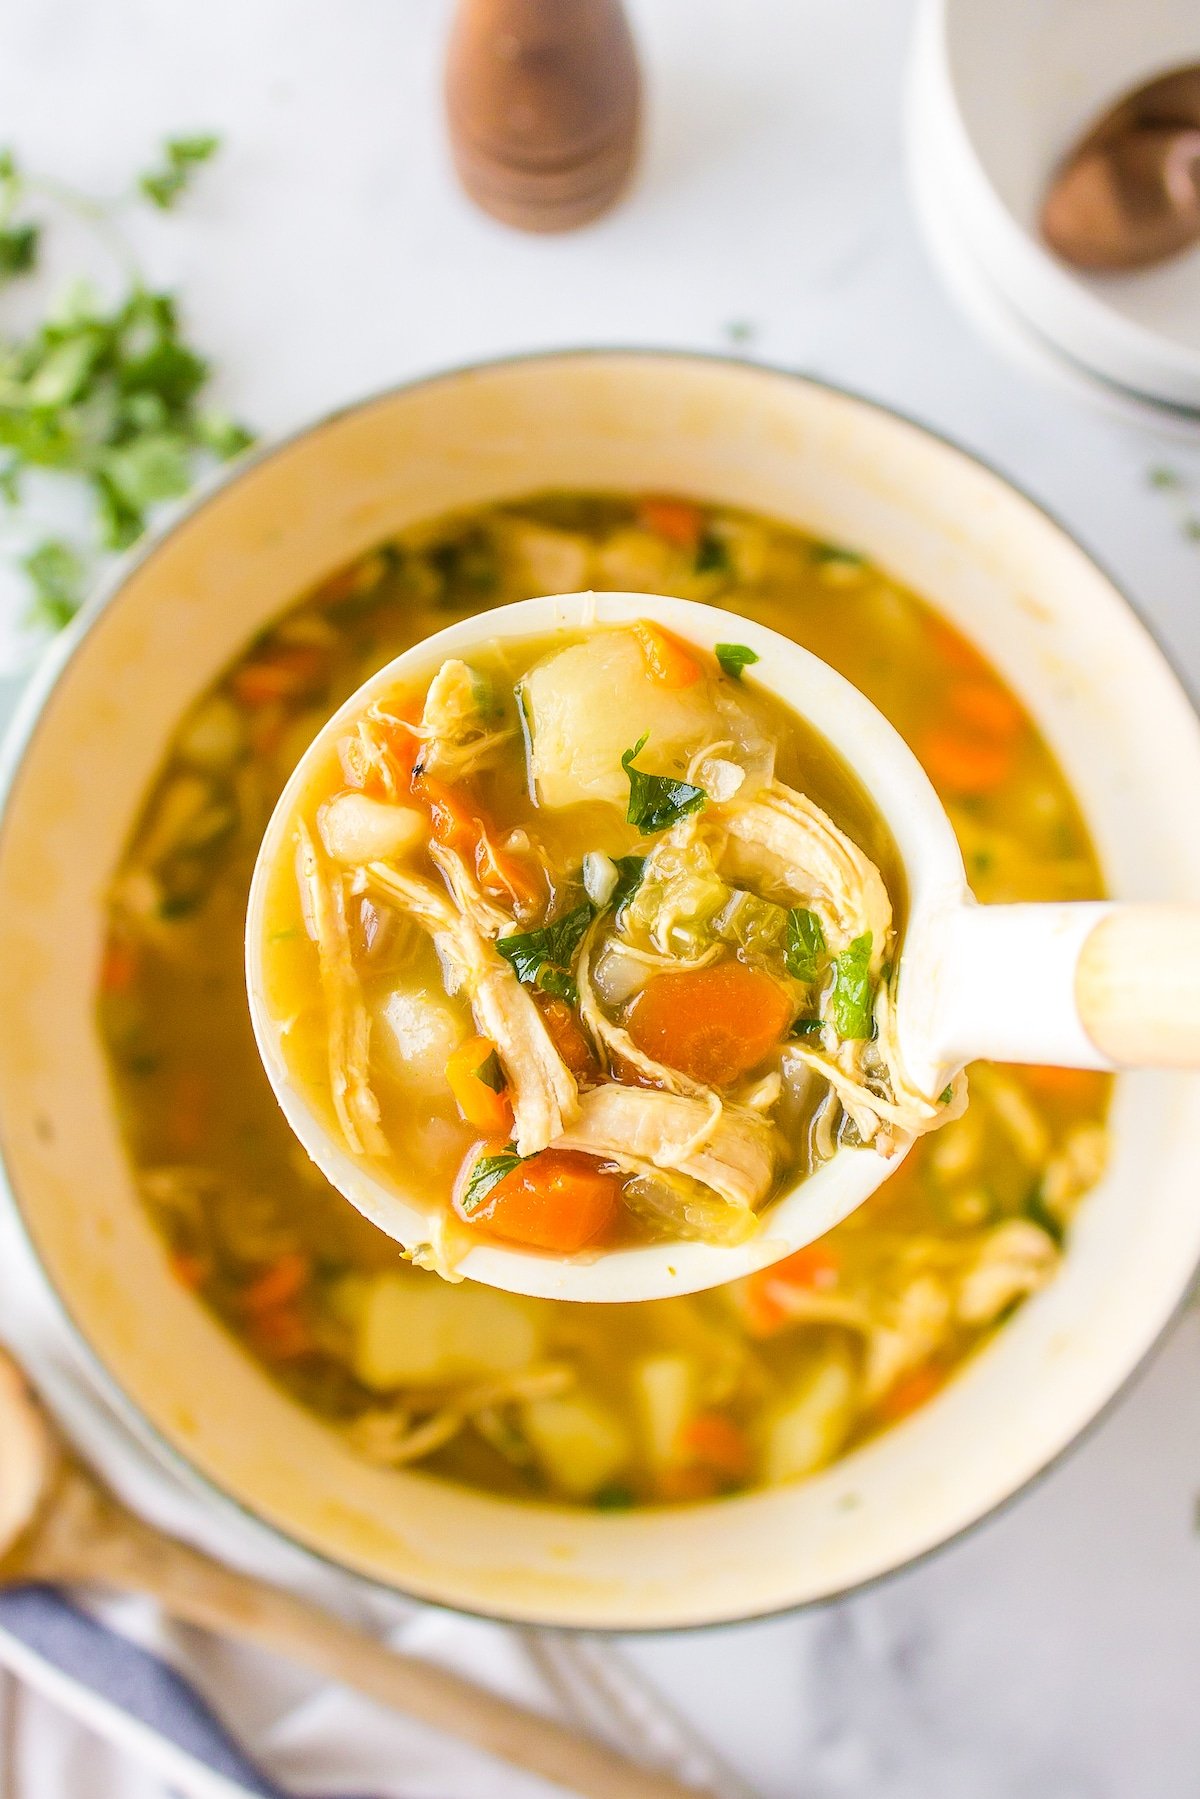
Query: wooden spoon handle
{"points": [[84, 1536], [1137, 986]]}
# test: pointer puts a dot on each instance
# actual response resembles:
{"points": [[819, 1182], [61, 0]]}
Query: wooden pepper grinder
{"points": [[543, 100]]}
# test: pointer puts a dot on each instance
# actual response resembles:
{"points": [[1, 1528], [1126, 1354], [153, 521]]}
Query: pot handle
{"points": [[1084, 985]]}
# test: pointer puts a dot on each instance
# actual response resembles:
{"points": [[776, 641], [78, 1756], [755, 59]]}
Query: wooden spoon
{"points": [[57, 1524], [1128, 195]]}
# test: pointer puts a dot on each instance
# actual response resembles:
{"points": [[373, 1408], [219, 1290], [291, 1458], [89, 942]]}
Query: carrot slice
{"points": [[281, 1281], [473, 1072], [559, 1200], [282, 1334], [451, 817], [716, 1442], [988, 708], [714, 1024], [910, 1392], [667, 662], [963, 764], [119, 966], [1083, 1088], [676, 521], [191, 1271], [567, 1036], [286, 671], [768, 1291]]}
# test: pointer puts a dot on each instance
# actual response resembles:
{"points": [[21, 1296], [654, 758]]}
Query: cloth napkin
{"points": [[217, 1719]]}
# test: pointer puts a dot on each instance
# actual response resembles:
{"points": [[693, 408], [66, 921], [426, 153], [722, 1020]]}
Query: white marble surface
{"points": [[1054, 1654]]}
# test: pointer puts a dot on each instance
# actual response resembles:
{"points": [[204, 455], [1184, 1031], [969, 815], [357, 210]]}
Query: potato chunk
{"points": [[810, 1426], [579, 1443], [588, 704], [356, 829], [415, 1331]]}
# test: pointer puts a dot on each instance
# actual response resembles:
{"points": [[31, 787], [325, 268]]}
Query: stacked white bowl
{"points": [[998, 91]]}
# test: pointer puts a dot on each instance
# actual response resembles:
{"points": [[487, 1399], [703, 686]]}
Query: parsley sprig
{"points": [[487, 1173], [544, 958], [106, 395], [656, 802]]}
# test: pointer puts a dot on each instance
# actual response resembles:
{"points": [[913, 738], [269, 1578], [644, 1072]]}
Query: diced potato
{"points": [[588, 704], [664, 1392], [579, 1443], [418, 1032], [545, 560], [415, 1331], [808, 1429], [213, 736], [356, 829], [637, 561]]}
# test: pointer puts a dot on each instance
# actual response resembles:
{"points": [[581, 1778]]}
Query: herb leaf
{"points": [[18, 250], [734, 657], [543, 958], [57, 577], [487, 1173], [806, 1027], [712, 556], [656, 801], [806, 947], [491, 1073], [630, 870], [825, 553], [181, 157], [850, 1000]]}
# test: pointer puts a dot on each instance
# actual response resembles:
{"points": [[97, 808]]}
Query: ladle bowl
{"points": [[1086, 985]]}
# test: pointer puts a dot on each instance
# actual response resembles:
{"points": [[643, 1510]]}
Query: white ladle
{"points": [[1083, 985]]}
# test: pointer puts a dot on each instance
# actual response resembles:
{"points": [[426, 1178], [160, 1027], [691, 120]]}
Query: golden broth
{"points": [[684, 1398]]}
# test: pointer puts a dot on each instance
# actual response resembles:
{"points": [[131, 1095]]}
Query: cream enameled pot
{"points": [[90, 740]]}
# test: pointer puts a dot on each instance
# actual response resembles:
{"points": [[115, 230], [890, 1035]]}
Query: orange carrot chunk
{"points": [[770, 1292], [910, 1392], [960, 763], [988, 708], [286, 671], [559, 1200], [676, 521], [716, 1442], [714, 1024], [567, 1036], [479, 1087], [667, 662], [281, 1281]]}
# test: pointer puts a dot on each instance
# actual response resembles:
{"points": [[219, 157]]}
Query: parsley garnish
{"points": [[106, 394], [734, 657], [946, 1095], [835, 552], [807, 1027], [712, 555], [850, 1001], [181, 157], [487, 1173], [543, 958], [491, 1073], [630, 870], [656, 801], [806, 946]]}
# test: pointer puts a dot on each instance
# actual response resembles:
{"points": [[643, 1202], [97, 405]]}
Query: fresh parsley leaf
{"points": [[807, 1027], [18, 250], [491, 1073], [630, 870], [946, 1095], [836, 553], [734, 657], [57, 576], [616, 1497], [806, 946], [151, 468], [487, 1173], [543, 958], [222, 435], [181, 157], [850, 1000], [656, 802], [712, 555]]}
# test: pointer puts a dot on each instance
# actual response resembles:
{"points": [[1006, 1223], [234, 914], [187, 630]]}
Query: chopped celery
{"points": [[679, 894], [805, 944], [757, 927]]}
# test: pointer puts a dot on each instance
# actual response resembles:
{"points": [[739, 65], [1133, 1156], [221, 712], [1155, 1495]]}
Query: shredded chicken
{"points": [[545, 1099], [1013, 1261], [461, 728], [354, 1102], [642, 1129]]}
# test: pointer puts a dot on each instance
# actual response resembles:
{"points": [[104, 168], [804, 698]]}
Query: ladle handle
{"points": [[85, 1536], [1089, 985]]}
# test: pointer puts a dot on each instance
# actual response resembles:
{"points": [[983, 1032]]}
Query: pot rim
{"points": [[21, 732]]}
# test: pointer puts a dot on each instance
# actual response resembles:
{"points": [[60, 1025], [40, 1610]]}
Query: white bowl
{"points": [[90, 739], [1008, 86]]}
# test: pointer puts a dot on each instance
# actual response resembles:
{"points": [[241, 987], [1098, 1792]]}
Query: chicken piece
{"points": [[462, 724], [913, 1327], [1013, 1261], [349, 1023], [779, 842], [733, 1152], [545, 1099]]}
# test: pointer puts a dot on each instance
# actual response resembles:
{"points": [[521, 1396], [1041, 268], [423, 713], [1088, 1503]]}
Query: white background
{"points": [[1056, 1654]]}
